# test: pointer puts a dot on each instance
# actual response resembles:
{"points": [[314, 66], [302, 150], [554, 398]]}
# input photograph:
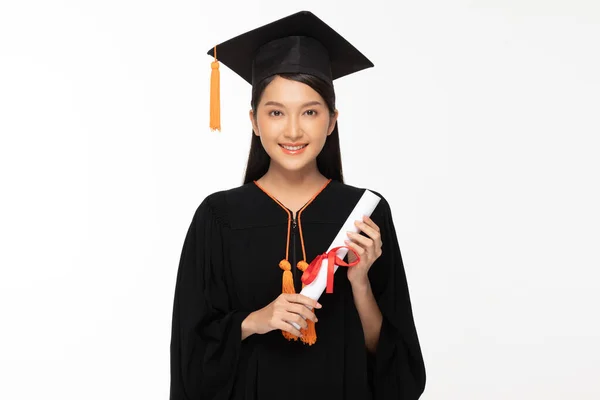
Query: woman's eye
{"points": [[277, 113]]}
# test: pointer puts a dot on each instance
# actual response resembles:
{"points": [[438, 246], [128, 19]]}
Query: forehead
{"points": [[289, 91]]}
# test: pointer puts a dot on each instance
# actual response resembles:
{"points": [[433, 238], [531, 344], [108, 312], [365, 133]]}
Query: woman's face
{"points": [[292, 114]]}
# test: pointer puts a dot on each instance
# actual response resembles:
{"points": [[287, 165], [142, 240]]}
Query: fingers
{"points": [[303, 311], [357, 238], [295, 318], [302, 299], [351, 255], [356, 247], [285, 326], [294, 309], [370, 230], [370, 222], [361, 243]]}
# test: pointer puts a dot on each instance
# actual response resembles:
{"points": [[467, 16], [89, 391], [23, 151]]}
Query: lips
{"points": [[293, 147], [297, 149]]}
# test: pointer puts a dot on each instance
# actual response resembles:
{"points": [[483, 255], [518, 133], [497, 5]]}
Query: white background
{"points": [[479, 124]]}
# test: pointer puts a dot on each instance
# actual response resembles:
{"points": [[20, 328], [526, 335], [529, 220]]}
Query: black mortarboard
{"points": [[298, 43]]}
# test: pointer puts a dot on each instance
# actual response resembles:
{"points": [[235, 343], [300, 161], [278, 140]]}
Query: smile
{"points": [[293, 149]]}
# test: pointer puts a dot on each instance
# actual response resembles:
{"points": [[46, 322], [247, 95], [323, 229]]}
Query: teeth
{"points": [[294, 147]]}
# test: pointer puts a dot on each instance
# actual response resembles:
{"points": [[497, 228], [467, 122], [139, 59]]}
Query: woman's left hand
{"points": [[368, 248]]}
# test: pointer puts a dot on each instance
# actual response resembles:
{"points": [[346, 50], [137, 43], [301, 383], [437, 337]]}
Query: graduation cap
{"points": [[298, 43]]}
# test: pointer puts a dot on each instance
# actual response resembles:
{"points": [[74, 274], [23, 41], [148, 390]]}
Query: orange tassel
{"points": [[309, 335], [215, 97], [287, 282], [287, 286], [302, 265]]}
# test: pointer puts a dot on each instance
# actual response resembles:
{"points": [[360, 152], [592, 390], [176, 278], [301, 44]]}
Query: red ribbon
{"points": [[312, 270]]}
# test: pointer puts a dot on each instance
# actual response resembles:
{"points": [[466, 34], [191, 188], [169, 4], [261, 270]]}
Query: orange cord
{"points": [[309, 335]]}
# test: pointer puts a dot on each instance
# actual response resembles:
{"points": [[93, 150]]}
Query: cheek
{"points": [[270, 128], [316, 127], [320, 131]]}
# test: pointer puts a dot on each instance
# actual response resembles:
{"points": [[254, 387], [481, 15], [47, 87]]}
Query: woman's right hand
{"points": [[279, 314]]}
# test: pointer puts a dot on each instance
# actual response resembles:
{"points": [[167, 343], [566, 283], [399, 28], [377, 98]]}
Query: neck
{"points": [[292, 182]]}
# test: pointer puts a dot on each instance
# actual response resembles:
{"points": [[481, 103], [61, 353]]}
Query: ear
{"points": [[253, 122], [332, 121]]}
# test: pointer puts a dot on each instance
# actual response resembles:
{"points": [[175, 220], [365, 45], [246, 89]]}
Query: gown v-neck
{"points": [[294, 214]]}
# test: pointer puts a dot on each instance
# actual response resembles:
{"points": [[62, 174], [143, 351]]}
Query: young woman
{"points": [[239, 280]]}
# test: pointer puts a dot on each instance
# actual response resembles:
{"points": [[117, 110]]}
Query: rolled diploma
{"points": [[365, 206]]}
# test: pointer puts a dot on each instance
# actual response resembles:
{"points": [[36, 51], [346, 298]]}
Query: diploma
{"points": [[365, 206]]}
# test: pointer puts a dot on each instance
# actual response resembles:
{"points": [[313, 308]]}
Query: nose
{"points": [[294, 130]]}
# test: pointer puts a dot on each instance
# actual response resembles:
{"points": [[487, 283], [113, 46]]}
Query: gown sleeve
{"points": [[206, 330], [397, 369]]}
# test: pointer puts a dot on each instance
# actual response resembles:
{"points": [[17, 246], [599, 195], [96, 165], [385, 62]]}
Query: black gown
{"points": [[229, 267]]}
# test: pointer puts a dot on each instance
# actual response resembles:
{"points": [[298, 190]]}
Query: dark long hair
{"points": [[329, 160]]}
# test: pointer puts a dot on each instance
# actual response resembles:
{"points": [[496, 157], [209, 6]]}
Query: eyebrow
{"points": [[310, 103]]}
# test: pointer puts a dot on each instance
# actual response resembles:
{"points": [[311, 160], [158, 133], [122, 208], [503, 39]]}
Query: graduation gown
{"points": [[229, 268]]}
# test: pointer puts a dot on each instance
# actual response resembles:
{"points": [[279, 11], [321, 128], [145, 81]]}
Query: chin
{"points": [[290, 165]]}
